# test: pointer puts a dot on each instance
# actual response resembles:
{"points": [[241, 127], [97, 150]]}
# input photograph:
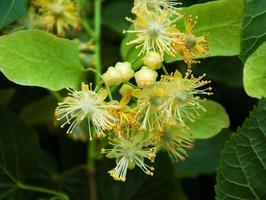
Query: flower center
{"points": [[154, 30], [190, 41], [182, 96], [57, 8]]}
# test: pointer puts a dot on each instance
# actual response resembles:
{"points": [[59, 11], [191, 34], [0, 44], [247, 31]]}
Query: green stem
{"points": [[91, 174], [97, 34], [35, 188], [94, 71], [110, 93], [87, 28], [42, 190], [132, 85], [165, 70]]}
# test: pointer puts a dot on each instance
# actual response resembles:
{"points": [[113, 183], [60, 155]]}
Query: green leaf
{"points": [[223, 27], [254, 27], [255, 73], [46, 108], [227, 71], [72, 182], [114, 13], [11, 10], [204, 158], [6, 95], [37, 58], [210, 122], [19, 153], [241, 173]]}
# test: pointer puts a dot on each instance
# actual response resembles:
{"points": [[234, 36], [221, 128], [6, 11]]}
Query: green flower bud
{"points": [[145, 77], [153, 60], [125, 70], [112, 76]]}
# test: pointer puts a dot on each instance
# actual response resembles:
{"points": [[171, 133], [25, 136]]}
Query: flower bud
{"points": [[145, 77], [153, 60], [125, 70], [112, 76], [125, 89]]}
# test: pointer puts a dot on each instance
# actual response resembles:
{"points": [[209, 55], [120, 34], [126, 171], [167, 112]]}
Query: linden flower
{"points": [[182, 102], [123, 114], [176, 141], [148, 104], [154, 33], [129, 152], [141, 6], [189, 45], [85, 105], [58, 14]]}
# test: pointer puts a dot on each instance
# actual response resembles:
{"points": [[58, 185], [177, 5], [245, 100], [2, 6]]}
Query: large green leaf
{"points": [[228, 72], [204, 150], [242, 168], [209, 122], [114, 13], [254, 27], [255, 73], [222, 25], [46, 108], [19, 152], [37, 58], [11, 10], [72, 182]]}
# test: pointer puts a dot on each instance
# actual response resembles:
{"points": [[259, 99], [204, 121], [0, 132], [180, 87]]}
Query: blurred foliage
{"points": [[50, 159], [11, 11]]}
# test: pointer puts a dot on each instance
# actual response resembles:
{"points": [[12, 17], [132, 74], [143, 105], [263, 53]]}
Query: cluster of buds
{"points": [[153, 112]]}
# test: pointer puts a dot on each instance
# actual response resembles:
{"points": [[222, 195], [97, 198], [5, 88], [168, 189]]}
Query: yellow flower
{"points": [[154, 33], [182, 100], [129, 152], [141, 6], [124, 115], [85, 105], [188, 45], [176, 141], [147, 107], [58, 15]]}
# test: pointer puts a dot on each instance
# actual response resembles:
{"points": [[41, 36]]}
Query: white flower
{"points": [[154, 33], [85, 105], [128, 153]]}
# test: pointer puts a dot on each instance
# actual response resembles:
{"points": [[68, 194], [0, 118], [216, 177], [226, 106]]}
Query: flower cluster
{"points": [[154, 112], [155, 30]]}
